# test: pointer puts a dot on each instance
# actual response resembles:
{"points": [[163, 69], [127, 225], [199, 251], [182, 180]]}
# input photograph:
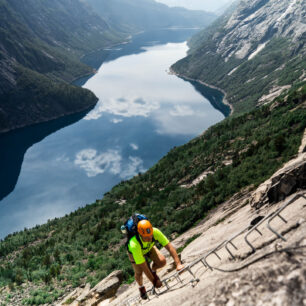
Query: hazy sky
{"points": [[208, 5]]}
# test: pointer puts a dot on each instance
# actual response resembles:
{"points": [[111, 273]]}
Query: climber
{"points": [[141, 248]]}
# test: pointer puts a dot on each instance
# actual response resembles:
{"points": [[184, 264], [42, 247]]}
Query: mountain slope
{"points": [[45, 40], [251, 53], [272, 275], [177, 193], [141, 15]]}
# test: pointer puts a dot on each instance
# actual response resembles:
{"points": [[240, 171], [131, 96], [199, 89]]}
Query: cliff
{"points": [[253, 53]]}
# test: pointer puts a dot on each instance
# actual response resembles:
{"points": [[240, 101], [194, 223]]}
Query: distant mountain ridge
{"points": [[142, 15], [251, 53]]}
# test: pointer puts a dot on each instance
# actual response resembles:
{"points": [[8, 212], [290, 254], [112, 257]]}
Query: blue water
{"points": [[51, 169]]}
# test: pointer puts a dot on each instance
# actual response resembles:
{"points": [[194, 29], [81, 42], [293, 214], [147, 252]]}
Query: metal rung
{"points": [[283, 219], [231, 239], [258, 231], [154, 291], [179, 278], [277, 214], [189, 270], [253, 229], [214, 251], [233, 245], [217, 255], [202, 260], [166, 284]]}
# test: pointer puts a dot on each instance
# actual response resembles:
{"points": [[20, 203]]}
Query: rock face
{"points": [[284, 182], [106, 289], [255, 22], [273, 275], [302, 148], [253, 52]]}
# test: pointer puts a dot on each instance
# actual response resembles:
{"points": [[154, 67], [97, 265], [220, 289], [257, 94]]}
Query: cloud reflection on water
{"points": [[125, 107], [140, 86], [94, 163], [134, 146], [115, 121], [181, 111]]}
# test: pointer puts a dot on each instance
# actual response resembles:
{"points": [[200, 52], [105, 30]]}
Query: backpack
{"points": [[130, 228]]}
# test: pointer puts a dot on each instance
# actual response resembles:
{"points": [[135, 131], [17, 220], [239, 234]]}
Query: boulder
{"points": [[106, 289], [84, 293], [284, 182], [70, 299]]}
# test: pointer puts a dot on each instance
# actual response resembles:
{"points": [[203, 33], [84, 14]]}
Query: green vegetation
{"points": [[43, 296], [44, 98], [45, 40], [86, 245]]}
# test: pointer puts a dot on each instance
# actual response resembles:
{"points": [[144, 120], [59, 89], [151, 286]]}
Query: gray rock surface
{"points": [[106, 289], [252, 278], [287, 180], [255, 22]]}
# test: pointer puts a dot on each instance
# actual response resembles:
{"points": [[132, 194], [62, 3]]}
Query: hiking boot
{"points": [[143, 293]]}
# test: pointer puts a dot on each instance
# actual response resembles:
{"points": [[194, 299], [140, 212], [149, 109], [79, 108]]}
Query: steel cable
{"points": [[287, 250]]}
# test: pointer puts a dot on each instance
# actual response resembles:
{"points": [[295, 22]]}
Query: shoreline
{"points": [[70, 82], [94, 70], [224, 100], [92, 73], [17, 127]]}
